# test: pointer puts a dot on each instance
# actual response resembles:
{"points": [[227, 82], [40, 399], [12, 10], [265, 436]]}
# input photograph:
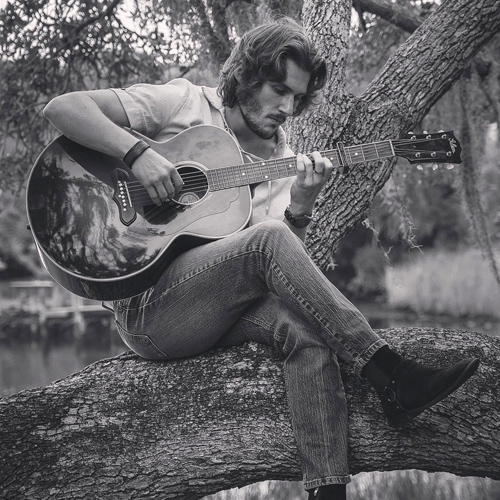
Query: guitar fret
{"points": [[350, 156], [233, 179], [333, 156], [228, 176], [277, 168], [356, 150], [264, 167], [241, 174]]}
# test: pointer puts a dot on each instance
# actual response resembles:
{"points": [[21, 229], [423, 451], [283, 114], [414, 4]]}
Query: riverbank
{"points": [[382, 315]]}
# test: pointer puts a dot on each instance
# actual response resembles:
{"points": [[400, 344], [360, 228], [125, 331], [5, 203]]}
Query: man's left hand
{"points": [[313, 171]]}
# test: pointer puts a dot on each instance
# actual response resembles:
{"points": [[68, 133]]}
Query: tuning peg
{"points": [[435, 166], [450, 166], [424, 132], [419, 167]]}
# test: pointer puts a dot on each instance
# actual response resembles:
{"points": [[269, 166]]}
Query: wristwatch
{"points": [[298, 222]]}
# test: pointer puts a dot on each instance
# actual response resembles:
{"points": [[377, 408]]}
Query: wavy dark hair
{"points": [[261, 56]]}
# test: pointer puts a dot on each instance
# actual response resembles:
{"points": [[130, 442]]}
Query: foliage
{"points": [[51, 47], [445, 282], [436, 208]]}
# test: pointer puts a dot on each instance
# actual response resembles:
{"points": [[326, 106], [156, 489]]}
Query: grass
{"points": [[396, 485], [457, 284]]}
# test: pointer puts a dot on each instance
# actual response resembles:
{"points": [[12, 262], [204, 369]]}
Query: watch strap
{"points": [[299, 222]]}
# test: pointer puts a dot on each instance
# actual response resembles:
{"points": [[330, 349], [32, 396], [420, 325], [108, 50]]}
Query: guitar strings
{"points": [[198, 180], [257, 165]]}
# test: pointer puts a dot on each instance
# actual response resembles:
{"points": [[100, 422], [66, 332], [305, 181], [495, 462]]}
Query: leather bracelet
{"points": [[298, 222], [134, 152]]}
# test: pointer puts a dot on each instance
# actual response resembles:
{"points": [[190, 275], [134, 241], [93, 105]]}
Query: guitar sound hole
{"points": [[195, 185]]}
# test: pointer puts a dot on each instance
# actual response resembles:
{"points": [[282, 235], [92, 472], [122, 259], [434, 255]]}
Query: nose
{"points": [[287, 105]]}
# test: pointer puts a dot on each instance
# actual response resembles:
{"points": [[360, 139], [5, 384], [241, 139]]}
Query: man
{"points": [[258, 284]]}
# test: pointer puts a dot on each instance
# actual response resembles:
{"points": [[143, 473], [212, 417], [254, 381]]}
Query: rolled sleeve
{"points": [[152, 108]]}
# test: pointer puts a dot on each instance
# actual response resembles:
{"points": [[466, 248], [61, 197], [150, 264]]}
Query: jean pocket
{"points": [[141, 344]]}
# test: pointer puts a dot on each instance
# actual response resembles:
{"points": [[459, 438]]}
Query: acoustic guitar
{"points": [[100, 236]]}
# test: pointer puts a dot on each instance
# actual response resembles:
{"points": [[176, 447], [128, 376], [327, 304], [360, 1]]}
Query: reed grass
{"points": [[457, 284], [395, 485]]}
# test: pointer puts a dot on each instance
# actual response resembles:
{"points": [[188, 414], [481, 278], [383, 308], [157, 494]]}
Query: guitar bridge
{"points": [[121, 197]]}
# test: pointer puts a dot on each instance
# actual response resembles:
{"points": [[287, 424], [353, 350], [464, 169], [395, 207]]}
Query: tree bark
{"points": [[403, 92], [128, 428], [407, 20]]}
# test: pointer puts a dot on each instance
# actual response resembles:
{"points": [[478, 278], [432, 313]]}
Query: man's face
{"points": [[273, 102]]}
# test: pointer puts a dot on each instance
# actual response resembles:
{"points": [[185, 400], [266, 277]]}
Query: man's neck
{"points": [[249, 141]]}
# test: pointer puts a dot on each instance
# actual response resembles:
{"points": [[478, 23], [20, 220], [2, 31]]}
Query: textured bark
{"points": [[403, 92], [129, 428]]}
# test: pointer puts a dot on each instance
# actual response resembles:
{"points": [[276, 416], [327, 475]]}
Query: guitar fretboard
{"points": [[254, 172]]}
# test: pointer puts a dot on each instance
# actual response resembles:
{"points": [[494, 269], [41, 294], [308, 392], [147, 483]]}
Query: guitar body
{"points": [[105, 243]]}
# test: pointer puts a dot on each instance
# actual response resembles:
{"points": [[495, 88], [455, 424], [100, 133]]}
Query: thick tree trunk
{"points": [[403, 92], [129, 428]]}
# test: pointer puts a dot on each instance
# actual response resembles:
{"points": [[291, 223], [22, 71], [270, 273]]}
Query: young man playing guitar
{"points": [[257, 284]]}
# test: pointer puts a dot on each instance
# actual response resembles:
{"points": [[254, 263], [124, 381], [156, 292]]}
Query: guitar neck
{"points": [[266, 170]]}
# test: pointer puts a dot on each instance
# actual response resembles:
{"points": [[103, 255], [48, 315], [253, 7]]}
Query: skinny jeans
{"points": [[261, 285]]}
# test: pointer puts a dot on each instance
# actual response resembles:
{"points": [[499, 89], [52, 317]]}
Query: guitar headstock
{"points": [[442, 147]]}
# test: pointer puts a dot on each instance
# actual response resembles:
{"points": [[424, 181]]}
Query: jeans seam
{"points": [[309, 308], [258, 322], [314, 483], [193, 274], [153, 343]]}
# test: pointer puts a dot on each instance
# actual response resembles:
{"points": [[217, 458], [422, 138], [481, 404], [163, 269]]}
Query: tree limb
{"points": [[402, 93], [394, 13], [407, 20], [129, 428]]}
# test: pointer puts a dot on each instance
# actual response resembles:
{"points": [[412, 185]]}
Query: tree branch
{"points": [[407, 20], [394, 13], [126, 428], [403, 92]]}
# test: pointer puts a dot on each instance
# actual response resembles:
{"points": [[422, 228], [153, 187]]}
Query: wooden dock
{"points": [[48, 300]]}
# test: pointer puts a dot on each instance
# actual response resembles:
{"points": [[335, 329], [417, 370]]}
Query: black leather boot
{"points": [[328, 492], [407, 388]]}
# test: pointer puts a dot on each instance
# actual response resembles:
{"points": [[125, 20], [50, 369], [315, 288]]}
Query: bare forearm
{"points": [[96, 119], [78, 117]]}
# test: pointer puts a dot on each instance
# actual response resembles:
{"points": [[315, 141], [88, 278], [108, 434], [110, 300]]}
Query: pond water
{"points": [[31, 358]]}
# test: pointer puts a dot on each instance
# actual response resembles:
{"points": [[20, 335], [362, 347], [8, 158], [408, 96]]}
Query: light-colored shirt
{"points": [[162, 111]]}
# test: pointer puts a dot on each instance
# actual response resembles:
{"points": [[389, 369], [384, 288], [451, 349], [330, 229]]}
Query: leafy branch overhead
{"points": [[53, 47]]}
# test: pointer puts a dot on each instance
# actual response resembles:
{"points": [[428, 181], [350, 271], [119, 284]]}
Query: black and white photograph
{"points": [[250, 250]]}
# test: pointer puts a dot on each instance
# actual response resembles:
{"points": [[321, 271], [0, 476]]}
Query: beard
{"points": [[251, 111]]}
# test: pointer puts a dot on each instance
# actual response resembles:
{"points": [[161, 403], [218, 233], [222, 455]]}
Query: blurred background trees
{"points": [[52, 47]]}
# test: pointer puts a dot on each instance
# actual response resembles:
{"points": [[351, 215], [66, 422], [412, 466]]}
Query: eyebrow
{"points": [[283, 84]]}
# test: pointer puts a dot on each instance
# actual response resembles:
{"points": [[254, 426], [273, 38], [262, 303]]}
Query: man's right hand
{"points": [[96, 119], [157, 175]]}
